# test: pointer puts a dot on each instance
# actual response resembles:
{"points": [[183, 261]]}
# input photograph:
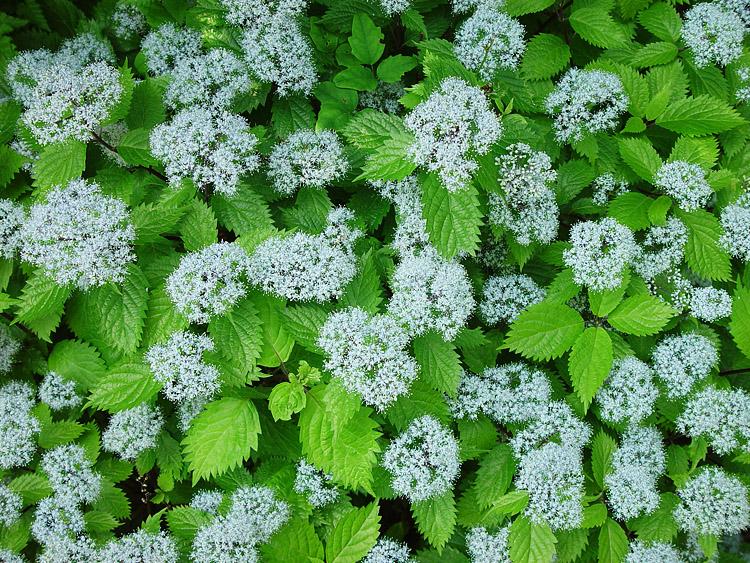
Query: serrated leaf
{"points": [[286, 398], [590, 362], [10, 164], [523, 7], [369, 129], [124, 387], [602, 448], [631, 209], [641, 315], [244, 212], [291, 113], [390, 160], [571, 544], [31, 486], [436, 519], [185, 521], [495, 474], [544, 331], [364, 291], [238, 334], [77, 361], [613, 543], [58, 164], [597, 27], [296, 541], [391, 69], [439, 362], [135, 148], [198, 226], [304, 322], [545, 56], [276, 343], [700, 115], [162, 318], [146, 107], [640, 156], [660, 524], [221, 437], [662, 20], [453, 218], [354, 535], [531, 543], [54, 434], [739, 325], [42, 298], [703, 252]]}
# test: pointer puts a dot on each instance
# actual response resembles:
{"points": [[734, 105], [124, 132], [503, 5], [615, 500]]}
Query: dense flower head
{"points": [[384, 98], [636, 466], [11, 503], [606, 187], [214, 149], [713, 502], [686, 183], [277, 51], [681, 361], [713, 34], [69, 548], [600, 252], [7, 556], [392, 7], [248, 13], [722, 416], [553, 477], [430, 293], [525, 172], [505, 297], [586, 101], [167, 45], [216, 78], [423, 460], [208, 282], [739, 7], [79, 236], [223, 541], [462, 6], [133, 431], [662, 249], [735, 222], [411, 227], [259, 510], [450, 127], [710, 303], [24, 71], [554, 422], [70, 473], [488, 41], [9, 347], [629, 393], [389, 551], [11, 218], [369, 355], [207, 500], [18, 426], [128, 22], [484, 547], [57, 518], [316, 485], [140, 546], [179, 366], [303, 267], [58, 392], [67, 103], [306, 159], [653, 552], [84, 48]]}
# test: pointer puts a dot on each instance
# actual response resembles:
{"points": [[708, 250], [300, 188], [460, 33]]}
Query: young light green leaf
{"points": [[590, 362], [544, 331], [354, 535], [641, 315]]}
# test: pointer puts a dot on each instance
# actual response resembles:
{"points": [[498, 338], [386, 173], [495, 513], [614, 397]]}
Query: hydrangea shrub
{"points": [[381, 281]]}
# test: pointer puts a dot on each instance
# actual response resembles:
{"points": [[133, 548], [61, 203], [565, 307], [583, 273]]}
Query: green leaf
{"points": [[597, 27], [544, 331], [364, 291], [124, 387], [162, 318], [198, 226], [700, 115], [135, 148], [531, 543], [523, 7], [657, 53], [291, 113], [54, 434], [602, 448], [31, 486], [238, 334], [631, 209], [304, 322], [146, 106], [441, 367], [276, 344], [286, 399], [369, 129], [436, 519], [590, 362], [221, 437], [184, 522], [453, 218], [659, 525], [245, 212], [366, 40], [391, 69], [42, 299], [613, 543], [77, 361], [572, 177], [641, 315], [640, 156], [699, 150], [58, 164], [389, 161], [10, 163], [571, 544], [295, 541], [354, 535], [495, 474], [662, 20], [545, 56], [739, 325], [703, 252], [356, 78]]}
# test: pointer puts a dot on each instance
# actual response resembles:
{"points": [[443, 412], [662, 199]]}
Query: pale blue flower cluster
{"points": [[629, 392], [735, 222], [681, 361], [505, 297], [684, 182], [18, 425], [389, 551], [721, 416], [133, 431], [484, 547], [58, 392], [713, 33], [316, 485]]}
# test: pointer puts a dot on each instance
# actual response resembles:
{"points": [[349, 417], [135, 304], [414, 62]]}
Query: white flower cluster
{"points": [[684, 182], [128, 22], [79, 236], [654, 552], [11, 503], [410, 236], [389, 551], [392, 7], [304, 267], [681, 361], [526, 206], [735, 222], [713, 33], [722, 416], [140, 546], [207, 501], [629, 393], [607, 187], [423, 461], [743, 91], [554, 422], [214, 79], [662, 249], [713, 502], [254, 516], [133, 431], [505, 297], [488, 41], [450, 127], [369, 355], [739, 7], [317, 486], [245, 13], [179, 366], [18, 426], [57, 520], [7, 556], [167, 45], [553, 476], [636, 466], [9, 347], [710, 303], [11, 218], [484, 547], [430, 293], [58, 392], [70, 474], [509, 393], [72, 547], [600, 252], [384, 98], [306, 159], [208, 282], [586, 101]]}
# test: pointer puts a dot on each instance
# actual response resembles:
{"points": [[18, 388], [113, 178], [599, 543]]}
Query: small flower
{"points": [[410, 236], [11, 503], [128, 22], [710, 303], [684, 182], [654, 552], [166, 46], [720, 416], [586, 101], [389, 551], [57, 518], [214, 150], [84, 49], [9, 347], [133, 431], [207, 501], [735, 222], [713, 503], [662, 249], [600, 252], [489, 41], [484, 547], [141, 546], [628, 394], [248, 13], [713, 33], [384, 98], [607, 187], [24, 72], [58, 393], [70, 473], [369, 355], [11, 219], [681, 361], [178, 365], [450, 127], [18, 427], [423, 461], [79, 236], [554, 422], [505, 297], [306, 159], [317, 486]]}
